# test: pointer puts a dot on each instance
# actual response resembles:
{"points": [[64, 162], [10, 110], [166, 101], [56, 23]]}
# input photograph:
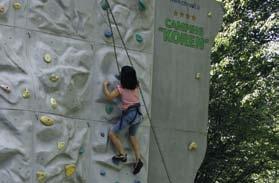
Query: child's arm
{"points": [[110, 95]]}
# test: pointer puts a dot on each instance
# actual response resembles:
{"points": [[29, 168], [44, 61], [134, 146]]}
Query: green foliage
{"points": [[243, 134]]}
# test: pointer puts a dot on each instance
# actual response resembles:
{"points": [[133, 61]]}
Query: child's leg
{"points": [[116, 142], [134, 140], [135, 146]]}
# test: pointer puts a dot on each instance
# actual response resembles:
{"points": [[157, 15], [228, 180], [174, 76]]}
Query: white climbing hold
{"points": [[5, 88], [26, 93], [198, 75], [53, 103], [47, 58], [193, 146], [2, 9]]}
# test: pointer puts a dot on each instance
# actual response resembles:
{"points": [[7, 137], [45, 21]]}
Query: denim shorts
{"points": [[130, 119]]}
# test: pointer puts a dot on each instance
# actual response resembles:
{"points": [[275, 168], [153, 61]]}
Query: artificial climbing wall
{"points": [[54, 119], [184, 34]]}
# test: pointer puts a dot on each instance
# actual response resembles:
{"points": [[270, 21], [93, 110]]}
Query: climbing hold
{"points": [[193, 146], [47, 121], [103, 173], [70, 170], [137, 181], [102, 134], [2, 9], [209, 14], [81, 150], [104, 4], [198, 76], [5, 88], [109, 109], [41, 176], [26, 93], [17, 5], [141, 4], [139, 38], [54, 78], [61, 145], [47, 58], [108, 34], [53, 103]]}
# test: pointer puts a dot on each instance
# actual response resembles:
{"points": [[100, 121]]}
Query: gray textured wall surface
{"points": [[184, 33], [54, 119]]}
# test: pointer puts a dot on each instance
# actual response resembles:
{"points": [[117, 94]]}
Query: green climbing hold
{"points": [[81, 150], [139, 38], [103, 173], [104, 4], [109, 109], [142, 6]]}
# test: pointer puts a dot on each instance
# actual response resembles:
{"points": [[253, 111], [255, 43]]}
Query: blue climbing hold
{"points": [[142, 6], [108, 34], [137, 181], [139, 38], [104, 4], [102, 134], [102, 173]]}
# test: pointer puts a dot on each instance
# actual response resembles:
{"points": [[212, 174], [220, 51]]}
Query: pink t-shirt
{"points": [[128, 97]]}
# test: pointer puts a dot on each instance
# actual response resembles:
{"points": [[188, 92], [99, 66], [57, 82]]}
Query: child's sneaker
{"points": [[119, 157], [138, 167]]}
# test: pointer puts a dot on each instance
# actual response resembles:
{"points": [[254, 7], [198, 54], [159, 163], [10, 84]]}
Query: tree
{"points": [[243, 134]]}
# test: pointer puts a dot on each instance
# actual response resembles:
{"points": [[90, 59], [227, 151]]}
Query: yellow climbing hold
{"points": [[209, 14], [54, 78], [41, 176], [193, 146], [47, 121], [47, 58], [17, 5], [70, 170], [53, 103], [61, 145], [26, 93]]}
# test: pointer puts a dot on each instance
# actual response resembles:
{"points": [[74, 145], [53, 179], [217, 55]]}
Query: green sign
{"points": [[183, 34]]}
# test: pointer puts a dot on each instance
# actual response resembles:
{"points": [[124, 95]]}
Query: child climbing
{"points": [[131, 116]]}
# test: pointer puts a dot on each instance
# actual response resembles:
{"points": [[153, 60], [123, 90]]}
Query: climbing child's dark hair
{"points": [[128, 78]]}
